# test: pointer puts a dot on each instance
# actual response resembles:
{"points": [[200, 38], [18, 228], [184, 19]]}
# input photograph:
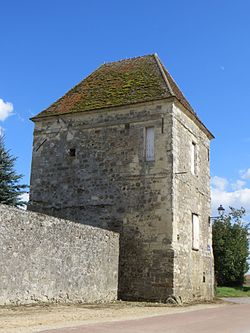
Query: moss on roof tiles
{"points": [[119, 83]]}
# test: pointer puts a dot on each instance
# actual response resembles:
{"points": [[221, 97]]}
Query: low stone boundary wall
{"points": [[46, 259]]}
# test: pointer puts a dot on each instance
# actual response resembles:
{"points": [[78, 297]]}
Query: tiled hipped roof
{"points": [[119, 83], [124, 82]]}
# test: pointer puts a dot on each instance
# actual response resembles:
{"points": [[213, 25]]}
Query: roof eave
{"points": [[196, 119], [37, 118], [190, 114]]}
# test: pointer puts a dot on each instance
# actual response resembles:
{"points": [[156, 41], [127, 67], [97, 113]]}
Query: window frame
{"points": [[147, 140], [195, 232]]}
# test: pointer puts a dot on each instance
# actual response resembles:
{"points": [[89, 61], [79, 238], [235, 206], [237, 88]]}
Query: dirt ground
{"points": [[36, 318]]}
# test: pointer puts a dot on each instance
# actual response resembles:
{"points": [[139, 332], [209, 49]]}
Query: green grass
{"points": [[233, 292]]}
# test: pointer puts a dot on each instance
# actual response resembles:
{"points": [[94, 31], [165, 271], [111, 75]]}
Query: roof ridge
{"points": [[180, 90], [181, 98], [160, 66], [127, 59]]}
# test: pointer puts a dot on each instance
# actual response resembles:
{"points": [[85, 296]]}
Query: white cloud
{"points": [[24, 197], [1, 131], [227, 194], [238, 185], [245, 174], [219, 182], [6, 109], [237, 199]]}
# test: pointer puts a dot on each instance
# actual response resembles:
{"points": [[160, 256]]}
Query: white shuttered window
{"points": [[196, 232], [150, 144]]}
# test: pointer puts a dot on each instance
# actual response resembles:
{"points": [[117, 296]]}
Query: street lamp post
{"points": [[221, 212]]}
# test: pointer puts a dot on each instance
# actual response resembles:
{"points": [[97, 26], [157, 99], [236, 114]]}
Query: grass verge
{"points": [[233, 291]]}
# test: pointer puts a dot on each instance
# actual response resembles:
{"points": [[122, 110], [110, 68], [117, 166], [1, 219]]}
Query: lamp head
{"points": [[221, 211]]}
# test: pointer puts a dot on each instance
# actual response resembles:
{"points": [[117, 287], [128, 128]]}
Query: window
{"points": [[193, 158], [150, 144], [72, 152], [195, 232], [127, 126], [209, 221]]}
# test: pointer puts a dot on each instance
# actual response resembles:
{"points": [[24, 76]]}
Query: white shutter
{"points": [[196, 232], [150, 144]]}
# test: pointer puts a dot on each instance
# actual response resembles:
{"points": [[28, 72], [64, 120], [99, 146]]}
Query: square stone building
{"points": [[124, 150]]}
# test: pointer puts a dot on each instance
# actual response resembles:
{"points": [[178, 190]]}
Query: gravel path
{"points": [[239, 300], [37, 318]]}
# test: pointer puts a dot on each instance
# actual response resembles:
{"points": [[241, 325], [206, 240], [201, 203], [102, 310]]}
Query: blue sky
{"points": [[49, 46]]}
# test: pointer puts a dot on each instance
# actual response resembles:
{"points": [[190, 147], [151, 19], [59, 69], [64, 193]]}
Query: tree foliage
{"points": [[230, 247], [10, 189]]}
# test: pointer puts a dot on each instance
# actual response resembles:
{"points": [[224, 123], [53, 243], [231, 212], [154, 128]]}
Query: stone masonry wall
{"points": [[193, 270], [109, 184], [47, 259], [90, 167]]}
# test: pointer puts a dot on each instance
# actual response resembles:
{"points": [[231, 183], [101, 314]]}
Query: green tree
{"points": [[230, 247], [10, 189]]}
